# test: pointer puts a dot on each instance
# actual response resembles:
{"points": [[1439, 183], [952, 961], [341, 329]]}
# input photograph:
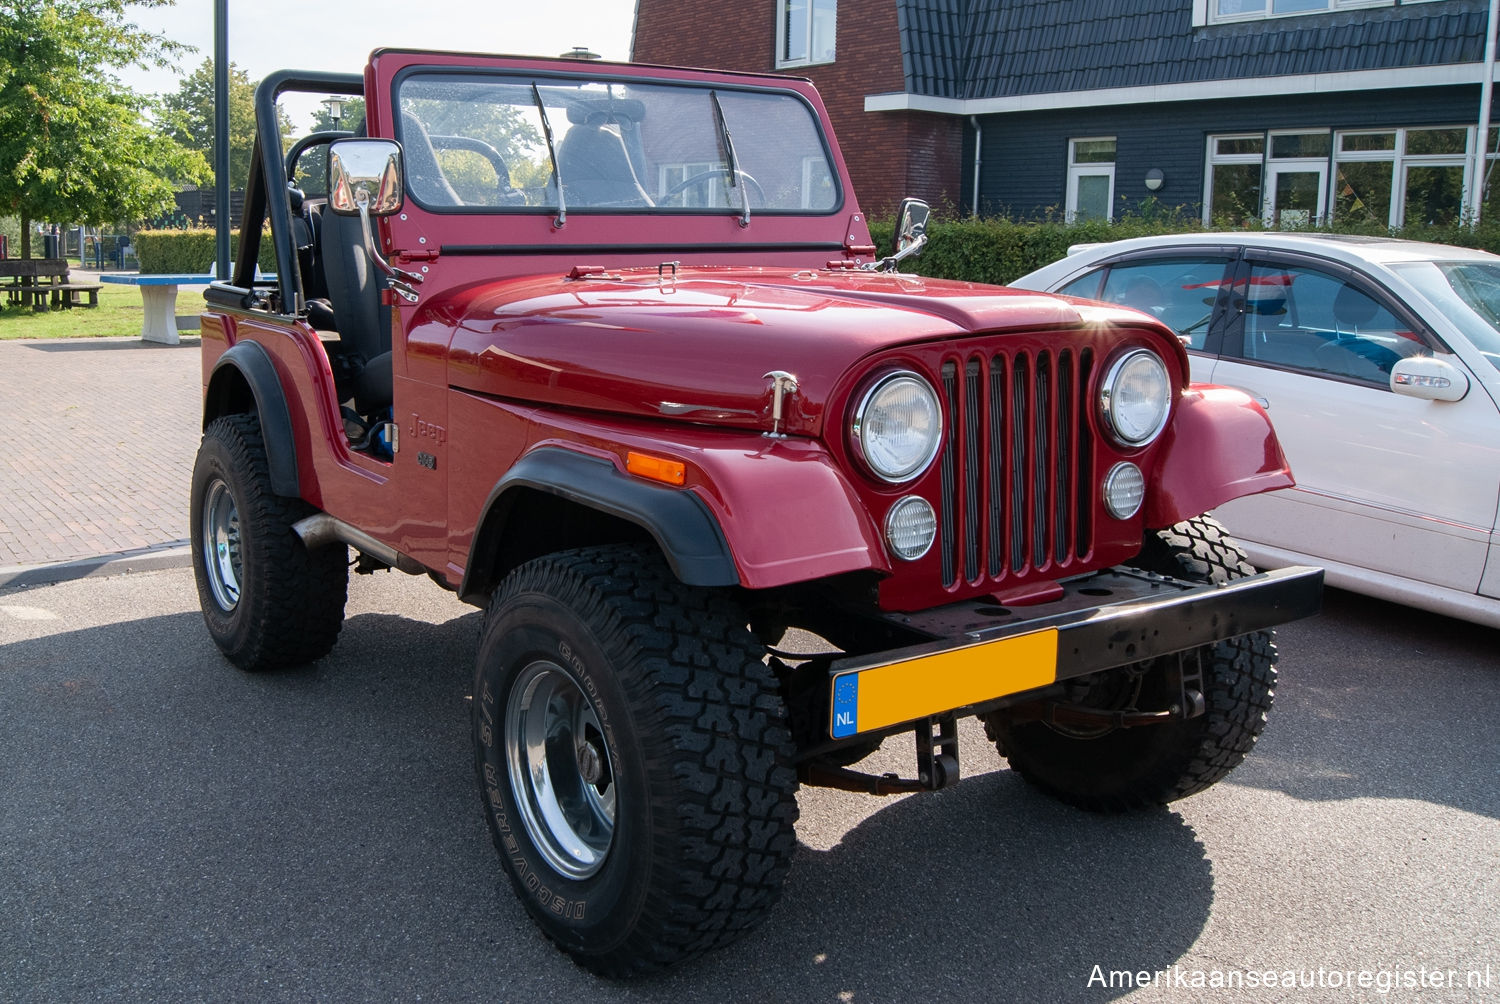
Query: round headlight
{"points": [[910, 527], [1136, 397], [898, 427]]}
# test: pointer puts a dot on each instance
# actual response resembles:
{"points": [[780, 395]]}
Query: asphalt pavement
{"points": [[172, 829]]}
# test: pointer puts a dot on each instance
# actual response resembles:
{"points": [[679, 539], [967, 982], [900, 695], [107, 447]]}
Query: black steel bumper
{"points": [[986, 653]]}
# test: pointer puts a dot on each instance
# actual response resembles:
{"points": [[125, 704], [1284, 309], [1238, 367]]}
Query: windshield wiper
{"points": [[735, 180], [562, 203]]}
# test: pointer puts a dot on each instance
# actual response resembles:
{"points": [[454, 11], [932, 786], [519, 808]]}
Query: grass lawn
{"points": [[119, 313]]}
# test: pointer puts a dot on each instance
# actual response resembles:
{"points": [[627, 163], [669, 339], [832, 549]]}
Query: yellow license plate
{"points": [[872, 698]]}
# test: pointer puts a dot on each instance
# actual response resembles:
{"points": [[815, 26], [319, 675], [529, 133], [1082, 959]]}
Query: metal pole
{"points": [[222, 221], [1482, 141]]}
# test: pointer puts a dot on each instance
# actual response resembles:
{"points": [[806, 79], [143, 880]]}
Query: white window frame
{"points": [[1206, 12], [1216, 158], [689, 169], [810, 14], [1091, 169], [1295, 165]]}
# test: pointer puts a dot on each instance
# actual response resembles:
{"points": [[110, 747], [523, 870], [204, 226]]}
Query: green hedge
{"points": [[998, 250], [164, 251]]}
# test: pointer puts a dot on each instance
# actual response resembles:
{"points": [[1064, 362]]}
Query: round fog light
{"points": [[1124, 490], [910, 527]]}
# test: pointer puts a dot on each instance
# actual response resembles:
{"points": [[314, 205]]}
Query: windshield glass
{"points": [[1468, 294], [479, 143]]}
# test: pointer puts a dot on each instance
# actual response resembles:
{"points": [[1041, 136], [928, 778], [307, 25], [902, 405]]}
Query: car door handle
{"points": [[1258, 399]]}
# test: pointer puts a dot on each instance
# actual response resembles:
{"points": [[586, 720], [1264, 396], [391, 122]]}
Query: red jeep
{"points": [[607, 350]]}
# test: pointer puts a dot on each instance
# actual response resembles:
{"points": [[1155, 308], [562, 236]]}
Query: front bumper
{"points": [[986, 653]]}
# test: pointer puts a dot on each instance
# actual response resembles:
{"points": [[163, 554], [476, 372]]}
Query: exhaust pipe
{"points": [[321, 530]]}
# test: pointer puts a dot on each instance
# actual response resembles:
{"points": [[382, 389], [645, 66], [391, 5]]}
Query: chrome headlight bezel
{"points": [[865, 436], [1122, 427]]}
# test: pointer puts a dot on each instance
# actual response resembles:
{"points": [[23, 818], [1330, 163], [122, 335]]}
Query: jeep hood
{"points": [[697, 346]]}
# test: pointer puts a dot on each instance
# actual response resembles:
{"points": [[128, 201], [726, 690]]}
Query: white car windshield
{"points": [[481, 143], [1468, 294]]}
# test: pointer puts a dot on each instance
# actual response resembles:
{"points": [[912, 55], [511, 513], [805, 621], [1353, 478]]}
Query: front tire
{"points": [[634, 759], [267, 600], [1115, 769]]}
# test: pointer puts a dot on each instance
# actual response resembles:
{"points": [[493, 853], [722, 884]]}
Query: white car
{"points": [[1378, 362]]}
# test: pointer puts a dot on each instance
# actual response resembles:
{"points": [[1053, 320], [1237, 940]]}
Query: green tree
{"points": [[75, 144], [189, 118]]}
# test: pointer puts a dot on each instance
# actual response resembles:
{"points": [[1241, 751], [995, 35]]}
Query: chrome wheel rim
{"points": [[222, 556], [560, 770]]}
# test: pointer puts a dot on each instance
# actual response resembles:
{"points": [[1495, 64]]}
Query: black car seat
{"points": [[595, 168]]}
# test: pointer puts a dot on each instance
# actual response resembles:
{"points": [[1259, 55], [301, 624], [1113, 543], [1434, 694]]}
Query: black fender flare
{"points": [[690, 538], [253, 363]]}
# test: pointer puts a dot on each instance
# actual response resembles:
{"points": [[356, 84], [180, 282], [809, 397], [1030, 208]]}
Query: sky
{"points": [[338, 35]]}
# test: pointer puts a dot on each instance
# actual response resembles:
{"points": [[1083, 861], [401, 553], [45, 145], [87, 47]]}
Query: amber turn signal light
{"points": [[642, 465]]}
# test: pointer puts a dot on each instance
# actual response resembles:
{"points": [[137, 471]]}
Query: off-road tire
{"points": [[268, 601], [1131, 768], [684, 818]]}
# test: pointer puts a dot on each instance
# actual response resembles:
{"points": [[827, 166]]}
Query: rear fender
{"points": [[1220, 446], [246, 366]]}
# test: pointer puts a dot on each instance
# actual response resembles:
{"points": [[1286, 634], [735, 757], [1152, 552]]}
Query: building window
{"points": [[1091, 178], [1381, 177], [805, 31], [1249, 10], [1394, 177], [1236, 166]]}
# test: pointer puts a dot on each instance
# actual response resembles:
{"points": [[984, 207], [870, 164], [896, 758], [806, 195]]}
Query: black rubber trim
{"points": [[687, 533], [254, 364]]}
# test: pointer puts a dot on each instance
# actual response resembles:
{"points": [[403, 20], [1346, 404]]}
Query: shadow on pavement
{"points": [[107, 344], [177, 830], [1362, 691]]}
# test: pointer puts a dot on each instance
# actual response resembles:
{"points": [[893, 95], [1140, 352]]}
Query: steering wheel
{"points": [[707, 176]]}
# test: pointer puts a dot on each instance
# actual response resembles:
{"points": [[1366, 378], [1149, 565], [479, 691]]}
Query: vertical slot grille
{"points": [[1016, 468]]}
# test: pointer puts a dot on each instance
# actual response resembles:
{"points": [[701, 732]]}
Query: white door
{"points": [[1384, 481]]}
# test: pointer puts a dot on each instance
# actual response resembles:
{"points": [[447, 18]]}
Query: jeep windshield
{"points": [[481, 143]]}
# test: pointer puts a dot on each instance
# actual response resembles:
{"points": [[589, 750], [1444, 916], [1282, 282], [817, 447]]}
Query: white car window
{"points": [[1317, 322]]}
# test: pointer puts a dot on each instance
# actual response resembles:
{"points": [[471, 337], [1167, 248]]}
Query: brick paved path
{"points": [[97, 438]]}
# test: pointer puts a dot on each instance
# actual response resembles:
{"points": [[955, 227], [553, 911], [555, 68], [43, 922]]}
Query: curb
{"points": [[173, 554]]}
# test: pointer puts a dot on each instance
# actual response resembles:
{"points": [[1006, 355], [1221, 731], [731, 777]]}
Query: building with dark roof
{"points": [[1290, 109]]}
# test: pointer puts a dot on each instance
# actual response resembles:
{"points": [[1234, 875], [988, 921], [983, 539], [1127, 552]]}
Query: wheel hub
{"points": [[223, 558], [560, 771]]}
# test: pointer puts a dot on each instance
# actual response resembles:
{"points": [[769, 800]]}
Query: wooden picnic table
{"points": [[23, 279]]}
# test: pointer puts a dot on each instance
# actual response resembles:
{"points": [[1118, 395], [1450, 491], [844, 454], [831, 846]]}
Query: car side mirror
{"points": [[364, 180], [1429, 378], [911, 226], [911, 235], [364, 171]]}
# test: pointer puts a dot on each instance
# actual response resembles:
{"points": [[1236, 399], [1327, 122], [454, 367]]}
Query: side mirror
{"points": [[364, 180], [911, 235], [1429, 378], [911, 226], [364, 171]]}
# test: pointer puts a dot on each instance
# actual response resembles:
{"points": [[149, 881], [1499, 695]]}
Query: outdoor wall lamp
{"points": [[1154, 179]]}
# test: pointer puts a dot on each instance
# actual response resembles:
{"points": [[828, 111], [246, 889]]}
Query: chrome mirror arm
{"points": [[400, 279]]}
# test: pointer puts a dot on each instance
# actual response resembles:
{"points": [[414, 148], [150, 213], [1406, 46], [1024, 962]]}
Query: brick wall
{"points": [[889, 154]]}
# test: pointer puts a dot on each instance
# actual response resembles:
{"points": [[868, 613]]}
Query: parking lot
{"points": [[176, 830]]}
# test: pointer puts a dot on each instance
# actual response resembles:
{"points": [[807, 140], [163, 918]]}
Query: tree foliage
{"points": [[75, 144], [189, 118]]}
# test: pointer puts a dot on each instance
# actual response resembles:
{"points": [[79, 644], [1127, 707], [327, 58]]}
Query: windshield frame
{"points": [[525, 77]]}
